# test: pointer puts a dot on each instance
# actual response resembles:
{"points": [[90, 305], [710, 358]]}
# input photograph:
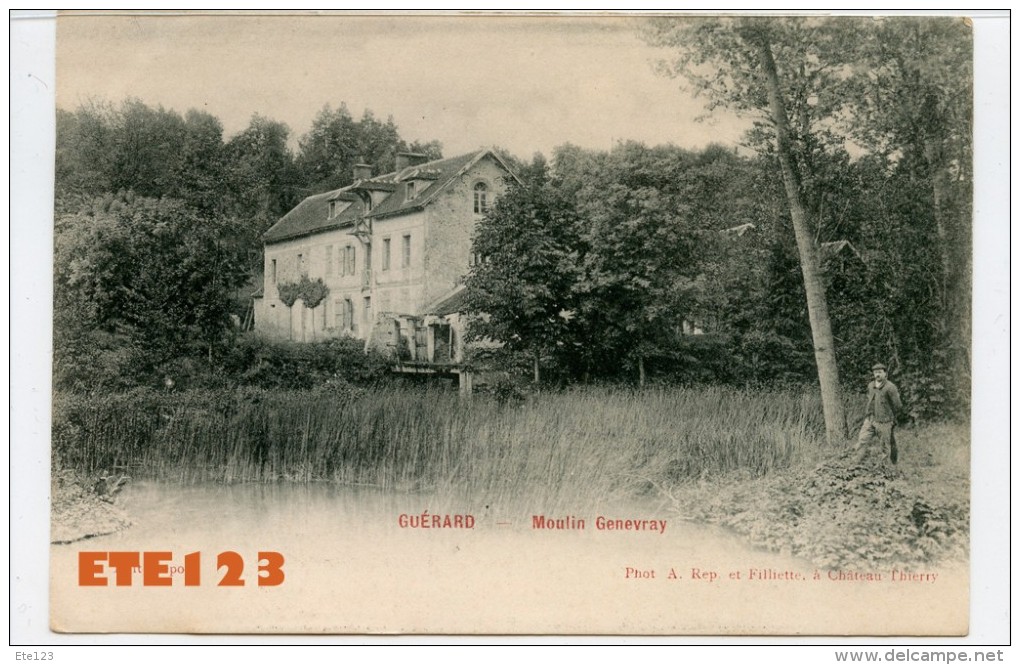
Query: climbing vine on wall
{"points": [[311, 292]]}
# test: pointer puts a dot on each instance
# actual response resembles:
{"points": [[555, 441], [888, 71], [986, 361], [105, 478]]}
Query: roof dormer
{"points": [[338, 203]]}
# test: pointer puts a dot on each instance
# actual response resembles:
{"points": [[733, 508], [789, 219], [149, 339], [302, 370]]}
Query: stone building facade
{"points": [[392, 251]]}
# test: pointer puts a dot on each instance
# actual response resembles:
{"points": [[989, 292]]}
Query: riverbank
{"points": [[751, 461], [842, 514], [77, 512]]}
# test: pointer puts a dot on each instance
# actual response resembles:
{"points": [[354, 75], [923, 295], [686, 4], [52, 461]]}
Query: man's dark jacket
{"points": [[883, 401]]}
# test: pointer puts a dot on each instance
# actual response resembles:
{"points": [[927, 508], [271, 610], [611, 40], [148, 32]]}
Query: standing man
{"points": [[884, 406]]}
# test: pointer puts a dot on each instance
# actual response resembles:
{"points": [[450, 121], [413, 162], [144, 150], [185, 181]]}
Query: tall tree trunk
{"points": [[953, 326], [538, 375], [937, 176], [641, 371], [814, 286]]}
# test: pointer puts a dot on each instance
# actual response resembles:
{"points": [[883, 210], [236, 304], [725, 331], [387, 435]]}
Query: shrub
{"points": [[256, 361], [311, 292]]}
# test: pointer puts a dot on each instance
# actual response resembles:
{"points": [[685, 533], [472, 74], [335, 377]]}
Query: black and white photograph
{"points": [[607, 324]]}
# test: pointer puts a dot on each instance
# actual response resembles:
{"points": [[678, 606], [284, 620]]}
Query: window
{"points": [[481, 198], [338, 313], [301, 264], [348, 322], [410, 190], [332, 209], [329, 259], [346, 260], [367, 313], [272, 271], [405, 254], [386, 254]]}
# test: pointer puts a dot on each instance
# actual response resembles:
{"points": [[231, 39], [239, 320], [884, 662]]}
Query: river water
{"points": [[350, 567]]}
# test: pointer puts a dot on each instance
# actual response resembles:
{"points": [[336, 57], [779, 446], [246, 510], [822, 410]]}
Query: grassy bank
{"points": [[844, 514], [583, 443], [754, 462]]}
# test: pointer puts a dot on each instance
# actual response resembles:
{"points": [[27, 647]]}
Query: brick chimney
{"points": [[405, 159], [362, 172]]}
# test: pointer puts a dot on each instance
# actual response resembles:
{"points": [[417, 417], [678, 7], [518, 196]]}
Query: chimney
{"points": [[362, 172], [405, 159]]}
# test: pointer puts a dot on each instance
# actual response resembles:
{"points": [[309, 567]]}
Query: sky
{"points": [[526, 84]]}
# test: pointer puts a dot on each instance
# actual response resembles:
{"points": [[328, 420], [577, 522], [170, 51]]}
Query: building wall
{"points": [[318, 256], [450, 223], [398, 287]]}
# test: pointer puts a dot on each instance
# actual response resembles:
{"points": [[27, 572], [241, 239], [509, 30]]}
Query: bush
{"points": [[99, 361], [695, 359], [256, 361], [103, 364]]}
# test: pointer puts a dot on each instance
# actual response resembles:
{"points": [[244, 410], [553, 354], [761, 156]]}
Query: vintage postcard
{"points": [[510, 324]]}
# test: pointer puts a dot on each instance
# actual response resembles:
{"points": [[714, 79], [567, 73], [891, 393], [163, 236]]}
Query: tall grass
{"points": [[554, 446]]}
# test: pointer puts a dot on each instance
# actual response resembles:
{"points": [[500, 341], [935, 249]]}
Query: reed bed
{"points": [[553, 447]]}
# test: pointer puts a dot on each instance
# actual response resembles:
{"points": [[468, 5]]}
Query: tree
{"points": [[199, 177], [84, 154], [147, 155], [742, 53], [598, 261], [521, 289], [262, 180], [911, 93], [432, 150], [644, 260], [152, 152], [336, 142], [158, 274], [911, 98]]}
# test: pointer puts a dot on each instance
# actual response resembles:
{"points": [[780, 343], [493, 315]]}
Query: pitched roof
{"points": [[312, 215], [451, 302]]}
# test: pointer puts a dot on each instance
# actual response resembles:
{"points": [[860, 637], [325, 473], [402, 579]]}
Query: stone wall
{"points": [[449, 226]]}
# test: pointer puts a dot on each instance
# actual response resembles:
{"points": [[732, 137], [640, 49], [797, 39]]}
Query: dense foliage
{"points": [[529, 262]]}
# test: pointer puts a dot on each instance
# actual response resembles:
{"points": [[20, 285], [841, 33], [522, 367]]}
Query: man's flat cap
{"points": [[878, 366]]}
